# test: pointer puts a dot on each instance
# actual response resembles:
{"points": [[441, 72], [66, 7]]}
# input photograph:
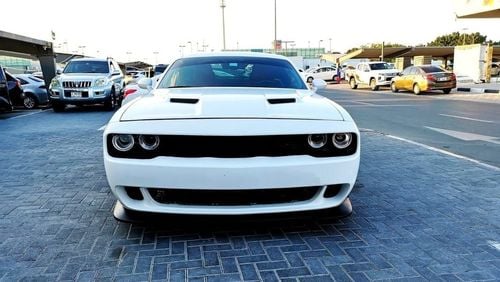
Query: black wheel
{"points": [[334, 78], [373, 84], [110, 103], [29, 101], [416, 89], [447, 90], [393, 88], [310, 80], [352, 83], [58, 107]]}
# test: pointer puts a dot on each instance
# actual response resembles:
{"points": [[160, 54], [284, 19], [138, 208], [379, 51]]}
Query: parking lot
{"points": [[418, 215]]}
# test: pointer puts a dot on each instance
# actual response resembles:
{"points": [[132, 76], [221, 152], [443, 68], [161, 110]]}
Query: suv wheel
{"points": [[352, 83], [373, 84], [109, 104], [393, 87], [416, 89]]}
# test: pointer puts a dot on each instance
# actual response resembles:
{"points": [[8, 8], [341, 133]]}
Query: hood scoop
{"points": [[184, 100], [281, 100]]}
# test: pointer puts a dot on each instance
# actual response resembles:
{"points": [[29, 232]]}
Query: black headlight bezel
{"points": [[191, 146]]}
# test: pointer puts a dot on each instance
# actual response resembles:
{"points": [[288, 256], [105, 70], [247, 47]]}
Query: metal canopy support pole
{"points": [[48, 64]]}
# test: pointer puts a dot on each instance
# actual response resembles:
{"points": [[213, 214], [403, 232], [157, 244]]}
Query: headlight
{"points": [[123, 142], [317, 141], [342, 140], [55, 83], [149, 142], [101, 82]]}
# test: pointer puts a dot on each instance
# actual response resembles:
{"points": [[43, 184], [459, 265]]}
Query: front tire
{"points": [[310, 80], [393, 88], [352, 83], [373, 84], [416, 89], [30, 102], [110, 103], [447, 90]]}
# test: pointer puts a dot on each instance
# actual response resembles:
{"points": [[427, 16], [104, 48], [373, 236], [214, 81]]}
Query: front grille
{"points": [[67, 93], [232, 197], [76, 84], [233, 147]]}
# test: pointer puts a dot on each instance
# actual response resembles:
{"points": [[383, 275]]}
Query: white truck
{"points": [[373, 74]]}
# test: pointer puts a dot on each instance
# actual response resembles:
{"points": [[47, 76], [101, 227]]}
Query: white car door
{"points": [[364, 73]]}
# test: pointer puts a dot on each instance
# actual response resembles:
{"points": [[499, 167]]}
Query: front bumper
{"points": [[92, 95], [384, 80], [231, 174]]}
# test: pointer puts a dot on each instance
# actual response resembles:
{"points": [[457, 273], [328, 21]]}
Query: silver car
{"points": [[35, 93]]}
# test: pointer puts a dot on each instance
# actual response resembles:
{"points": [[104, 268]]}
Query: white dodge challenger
{"points": [[228, 134]]}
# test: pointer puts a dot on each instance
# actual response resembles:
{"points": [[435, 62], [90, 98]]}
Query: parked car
{"points": [[424, 78], [35, 92], [16, 91], [324, 73], [87, 81], [373, 74], [231, 133], [160, 68], [132, 90], [5, 102], [495, 69]]}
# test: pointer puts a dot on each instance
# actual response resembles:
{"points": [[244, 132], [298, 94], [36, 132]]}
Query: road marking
{"points": [[494, 244], [466, 136], [29, 114], [445, 152], [467, 118], [102, 127]]}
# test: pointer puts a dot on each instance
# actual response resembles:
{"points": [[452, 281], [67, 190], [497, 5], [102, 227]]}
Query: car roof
{"points": [[237, 54], [90, 59]]}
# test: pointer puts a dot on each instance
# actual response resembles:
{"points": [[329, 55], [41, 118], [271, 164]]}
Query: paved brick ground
{"points": [[418, 215]]}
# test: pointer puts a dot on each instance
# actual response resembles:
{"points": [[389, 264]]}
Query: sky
{"points": [[152, 31]]}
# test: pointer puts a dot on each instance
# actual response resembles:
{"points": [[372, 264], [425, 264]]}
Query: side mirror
{"points": [[400, 74], [318, 84], [145, 83], [58, 72]]}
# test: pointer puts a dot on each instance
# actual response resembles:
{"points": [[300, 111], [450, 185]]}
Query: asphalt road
{"points": [[467, 128]]}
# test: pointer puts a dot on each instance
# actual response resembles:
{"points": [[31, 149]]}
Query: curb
{"points": [[477, 90]]}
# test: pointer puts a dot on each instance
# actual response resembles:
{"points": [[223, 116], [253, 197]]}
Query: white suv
{"points": [[374, 74]]}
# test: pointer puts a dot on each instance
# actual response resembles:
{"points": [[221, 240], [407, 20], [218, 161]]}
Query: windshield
{"points": [[87, 67], [234, 71], [380, 66]]}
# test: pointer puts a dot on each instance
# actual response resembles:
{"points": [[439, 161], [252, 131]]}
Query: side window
{"points": [[116, 66], [406, 71], [2, 77], [413, 71]]}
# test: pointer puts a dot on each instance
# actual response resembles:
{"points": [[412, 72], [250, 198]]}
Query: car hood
{"points": [[81, 76], [388, 72], [231, 102]]}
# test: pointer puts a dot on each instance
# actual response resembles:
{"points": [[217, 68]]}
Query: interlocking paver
{"points": [[418, 215]]}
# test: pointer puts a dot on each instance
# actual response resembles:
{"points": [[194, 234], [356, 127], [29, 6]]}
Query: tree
{"points": [[457, 38], [375, 45]]}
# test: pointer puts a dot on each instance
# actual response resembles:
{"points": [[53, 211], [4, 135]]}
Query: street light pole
{"points": [[330, 44], [275, 28], [223, 5]]}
